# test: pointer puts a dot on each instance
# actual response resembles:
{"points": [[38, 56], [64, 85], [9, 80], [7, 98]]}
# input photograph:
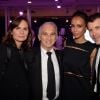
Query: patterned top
{"points": [[77, 58]]}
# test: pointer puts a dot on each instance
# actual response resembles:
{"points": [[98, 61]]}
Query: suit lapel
{"points": [[98, 78], [59, 58], [58, 54], [94, 70]]}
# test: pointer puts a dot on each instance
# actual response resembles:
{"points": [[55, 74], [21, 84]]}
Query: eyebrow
{"points": [[97, 26]]}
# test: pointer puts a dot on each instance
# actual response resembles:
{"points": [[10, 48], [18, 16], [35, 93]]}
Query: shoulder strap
{"points": [[8, 53]]}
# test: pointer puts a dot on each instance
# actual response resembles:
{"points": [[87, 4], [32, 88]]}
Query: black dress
{"points": [[77, 71]]}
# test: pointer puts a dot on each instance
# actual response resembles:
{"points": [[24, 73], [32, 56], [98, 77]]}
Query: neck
{"points": [[80, 40], [47, 49], [18, 45]]}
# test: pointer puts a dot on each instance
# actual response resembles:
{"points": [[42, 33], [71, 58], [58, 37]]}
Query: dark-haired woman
{"points": [[77, 61], [14, 82]]}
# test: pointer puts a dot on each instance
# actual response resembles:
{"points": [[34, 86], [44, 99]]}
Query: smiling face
{"points": [[94, 29], [47, 36], [78, 27], [20, 33]]}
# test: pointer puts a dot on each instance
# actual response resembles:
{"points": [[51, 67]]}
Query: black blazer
{"points": [[35, 72], [98, 92], [14, 83]]}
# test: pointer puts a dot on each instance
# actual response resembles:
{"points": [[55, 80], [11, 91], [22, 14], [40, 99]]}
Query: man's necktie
{"points": [[51, 78]]}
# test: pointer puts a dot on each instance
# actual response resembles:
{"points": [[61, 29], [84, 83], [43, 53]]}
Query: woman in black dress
{"points": [[77, 61]]}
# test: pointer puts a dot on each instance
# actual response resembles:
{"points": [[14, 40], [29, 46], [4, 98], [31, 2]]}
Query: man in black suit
{"points": [[38, 70], [94, 29]]}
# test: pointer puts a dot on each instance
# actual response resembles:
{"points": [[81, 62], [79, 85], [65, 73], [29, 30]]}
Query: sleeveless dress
{"points": [[77, 71]]}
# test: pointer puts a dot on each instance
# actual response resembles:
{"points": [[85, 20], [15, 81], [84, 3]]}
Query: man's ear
{"points": [[57, 35]]}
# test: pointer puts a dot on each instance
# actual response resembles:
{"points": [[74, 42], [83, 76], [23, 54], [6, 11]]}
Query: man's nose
{"points": [[94, 33]]}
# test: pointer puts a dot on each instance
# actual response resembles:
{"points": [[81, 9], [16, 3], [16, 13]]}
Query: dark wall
{"points": [[2, 27]]}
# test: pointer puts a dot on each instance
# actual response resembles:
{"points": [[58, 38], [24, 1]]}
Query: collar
{"points": [[44, 50]]}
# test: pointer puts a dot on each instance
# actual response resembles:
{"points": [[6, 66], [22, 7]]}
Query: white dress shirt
{"points": [[44, 58], [96, 68]]}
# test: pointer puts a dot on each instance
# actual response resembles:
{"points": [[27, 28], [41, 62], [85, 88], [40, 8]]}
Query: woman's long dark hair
{"points": [[8, 39]]}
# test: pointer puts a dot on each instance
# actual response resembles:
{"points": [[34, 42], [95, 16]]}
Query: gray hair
{"points": [[48, 23]]}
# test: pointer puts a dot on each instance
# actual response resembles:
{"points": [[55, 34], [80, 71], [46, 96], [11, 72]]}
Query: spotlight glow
{"points": [[29, 2], [56, 0], [58, 6], [21, 13]]}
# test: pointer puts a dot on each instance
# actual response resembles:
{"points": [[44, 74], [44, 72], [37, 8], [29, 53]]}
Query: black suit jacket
{"points": [[14, 84], [98, 90], [35, 72]]}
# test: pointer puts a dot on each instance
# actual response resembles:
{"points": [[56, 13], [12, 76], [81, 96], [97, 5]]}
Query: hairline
{"points": [[47, 23]]}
